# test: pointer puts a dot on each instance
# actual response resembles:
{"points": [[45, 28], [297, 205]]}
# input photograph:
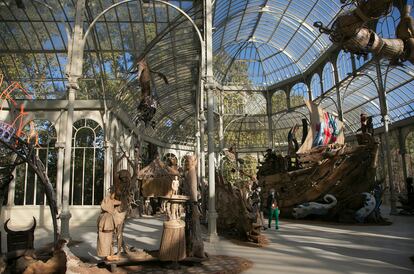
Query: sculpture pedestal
{"points": [[173, 241], [173, 244]]}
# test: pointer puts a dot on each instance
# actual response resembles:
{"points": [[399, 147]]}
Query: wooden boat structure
{"points": [[335, 182]]}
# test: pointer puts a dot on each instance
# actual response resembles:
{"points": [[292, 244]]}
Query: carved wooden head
{"points": [[190, 161]]}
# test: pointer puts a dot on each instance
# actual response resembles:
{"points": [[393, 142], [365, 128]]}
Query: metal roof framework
{"points": [[257, 45]]}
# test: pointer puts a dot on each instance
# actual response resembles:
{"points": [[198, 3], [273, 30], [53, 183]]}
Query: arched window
{"points": [[316, 86], [328, 77], [344, 64], [87, 163], [387, 25], [28, 189], [170, 159], [298, 94], [279, 102]]}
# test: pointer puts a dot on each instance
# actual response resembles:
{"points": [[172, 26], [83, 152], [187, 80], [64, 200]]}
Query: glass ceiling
{"points": [[33, 51], [268, 40], [257, 44]]}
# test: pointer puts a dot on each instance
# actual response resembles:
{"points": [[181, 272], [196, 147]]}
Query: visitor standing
{"points": [[273, 207]]}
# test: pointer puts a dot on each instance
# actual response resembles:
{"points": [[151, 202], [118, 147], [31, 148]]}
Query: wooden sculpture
{"points": [[195, 246], [235, 212], [330, 177], [173, 240], [112, 218], [21, 239], [156, 179], [148, 105], [350, 30]]}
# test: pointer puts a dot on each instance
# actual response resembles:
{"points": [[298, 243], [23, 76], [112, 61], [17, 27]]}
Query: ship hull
{"points": [[345, 172]]}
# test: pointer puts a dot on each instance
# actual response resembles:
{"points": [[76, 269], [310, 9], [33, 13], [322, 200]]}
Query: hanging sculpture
{"points": [[351, 31], [148, 104]]}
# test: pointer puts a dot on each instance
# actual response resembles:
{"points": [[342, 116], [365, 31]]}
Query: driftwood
{"points": [[351, 31], [148, 105], [156, 179], [57, 264], [195, 246], [19, 151], [344, 172], [21, 239], [235, 212]]}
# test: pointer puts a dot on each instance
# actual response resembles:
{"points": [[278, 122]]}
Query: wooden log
{"points": [[172, 246], [195, 244]]}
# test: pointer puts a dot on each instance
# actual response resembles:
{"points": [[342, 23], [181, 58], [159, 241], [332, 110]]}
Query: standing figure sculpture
{"points": [[111, 221], [106, 227], [175, 185]]}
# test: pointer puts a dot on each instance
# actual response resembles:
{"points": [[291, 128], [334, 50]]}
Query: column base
{"points": [[212, 227], [64, 225], [394, 211]]}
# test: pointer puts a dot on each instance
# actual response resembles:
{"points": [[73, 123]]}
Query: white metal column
{"points": [[209, 88], [385, 119], [73, 71]]}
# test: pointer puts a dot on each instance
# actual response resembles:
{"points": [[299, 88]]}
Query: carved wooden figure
{"points": [[112, 218], [195, 241], [175, 185], [106, 227]]}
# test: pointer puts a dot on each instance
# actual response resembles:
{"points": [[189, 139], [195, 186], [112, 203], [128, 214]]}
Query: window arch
{"points": [[316, 86], [87, 165], [170, 159], [360, 60], [328, 77], [28, 190], [279, 101], [298, 94], [387, 25], [344, 64]]}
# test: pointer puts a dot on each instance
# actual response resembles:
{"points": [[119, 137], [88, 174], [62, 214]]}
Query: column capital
{"points": [[202, 117], [385, 118], [108, 144], [209, 83], [60, 145]]}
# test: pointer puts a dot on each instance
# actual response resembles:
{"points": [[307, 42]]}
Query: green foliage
{"points": [[237, 74], [249, 166], [279, 102], [296, 100]]}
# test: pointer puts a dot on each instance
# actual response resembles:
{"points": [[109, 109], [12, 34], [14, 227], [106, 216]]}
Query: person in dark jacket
{"points": [[273, 207]]}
